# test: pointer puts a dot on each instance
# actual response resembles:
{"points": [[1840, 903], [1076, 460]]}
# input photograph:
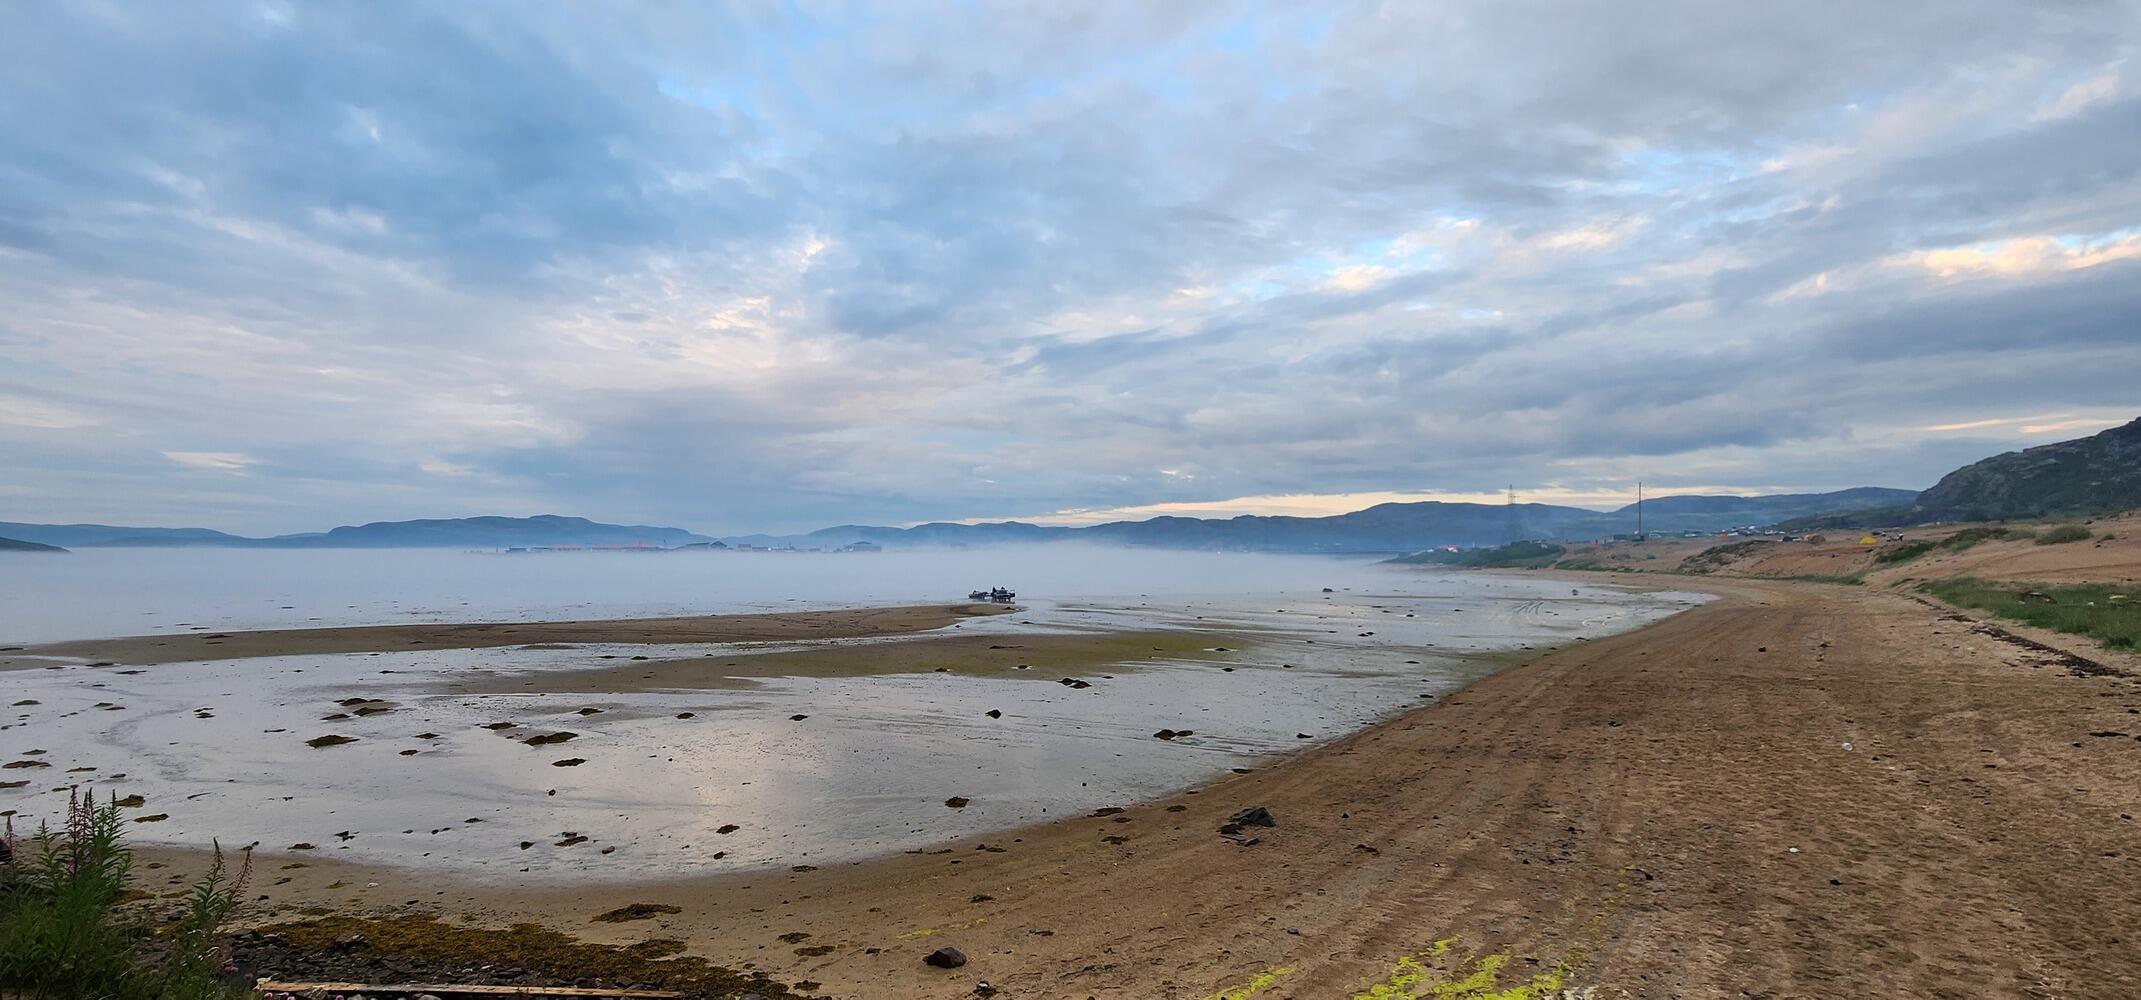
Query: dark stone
{"points": [[946, 958], [1253, 816], [995, 714]]}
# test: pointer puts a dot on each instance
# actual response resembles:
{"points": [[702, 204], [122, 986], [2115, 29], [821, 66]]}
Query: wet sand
{"points": [[1799, 790], [775, 627], [1043, 657], [572, 763]]}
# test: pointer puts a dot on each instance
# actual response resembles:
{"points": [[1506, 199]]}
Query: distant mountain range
{"points": [[1390, 527], [2085, 476], [457, 532]]}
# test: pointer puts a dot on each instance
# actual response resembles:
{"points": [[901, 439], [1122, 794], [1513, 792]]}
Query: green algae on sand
{"points": [[428, 940]]}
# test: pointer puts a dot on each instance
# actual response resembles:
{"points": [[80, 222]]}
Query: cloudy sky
{"points": [[770, 266]]}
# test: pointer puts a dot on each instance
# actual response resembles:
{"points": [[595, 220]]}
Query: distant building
{"points": [[860, 547]]}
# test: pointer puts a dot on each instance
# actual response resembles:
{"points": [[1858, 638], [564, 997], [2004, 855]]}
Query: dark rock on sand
{"points": [[545, 739], [636, 911], [956, 802], [946, 958], [1253, 816], [319, 742]]}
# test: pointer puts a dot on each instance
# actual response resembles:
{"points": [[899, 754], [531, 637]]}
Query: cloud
{"points": [[2022, 256], [21, 411], [772, 267], [214, 461]]}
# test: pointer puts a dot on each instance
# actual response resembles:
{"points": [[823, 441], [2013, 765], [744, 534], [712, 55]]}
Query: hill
{"points": [[1384, 528], [2091, 475], [107, 535], [491, 532], [15, 545], [1777, 507]]}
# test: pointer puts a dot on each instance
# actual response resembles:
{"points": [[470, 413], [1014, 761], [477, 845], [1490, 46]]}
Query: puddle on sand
{"points": [[220, 746]]}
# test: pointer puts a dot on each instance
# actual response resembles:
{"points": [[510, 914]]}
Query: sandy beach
{"points": [[1797, 790]]}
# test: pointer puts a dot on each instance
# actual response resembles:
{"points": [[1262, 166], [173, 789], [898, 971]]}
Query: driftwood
{"points": [[444, 990]]}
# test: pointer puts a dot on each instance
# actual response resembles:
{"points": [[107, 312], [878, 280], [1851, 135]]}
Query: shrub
{"points": [[58, 938], [2062, 534]]}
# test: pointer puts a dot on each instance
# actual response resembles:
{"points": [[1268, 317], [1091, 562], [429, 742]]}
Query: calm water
{"points": [[218, 746], [108, 592]]}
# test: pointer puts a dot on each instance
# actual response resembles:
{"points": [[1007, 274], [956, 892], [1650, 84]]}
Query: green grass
{"points": [[1907, 551], [2063, 534], [2081, 609], [1717, 557], [1971, 536], [60, 940]]}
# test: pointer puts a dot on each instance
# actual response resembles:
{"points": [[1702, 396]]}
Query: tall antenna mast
{"points": [[1639, 510]]}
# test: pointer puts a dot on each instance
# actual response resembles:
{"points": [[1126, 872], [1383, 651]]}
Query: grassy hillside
{"points": [[2091, 475]]}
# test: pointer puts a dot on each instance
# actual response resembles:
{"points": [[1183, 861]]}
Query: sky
{"points": [[271, 267]]}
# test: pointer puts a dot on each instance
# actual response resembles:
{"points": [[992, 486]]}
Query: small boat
{"points": [[996, 594]]}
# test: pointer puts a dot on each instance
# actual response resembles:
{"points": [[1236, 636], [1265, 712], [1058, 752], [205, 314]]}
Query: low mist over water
{"points": [[109, 592]]}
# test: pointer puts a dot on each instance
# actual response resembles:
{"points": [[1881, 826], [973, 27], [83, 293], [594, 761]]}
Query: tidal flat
{"points": [[621, 760]]}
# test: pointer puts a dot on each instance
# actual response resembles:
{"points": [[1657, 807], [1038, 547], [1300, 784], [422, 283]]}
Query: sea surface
{"points": [[1315, 648]]}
